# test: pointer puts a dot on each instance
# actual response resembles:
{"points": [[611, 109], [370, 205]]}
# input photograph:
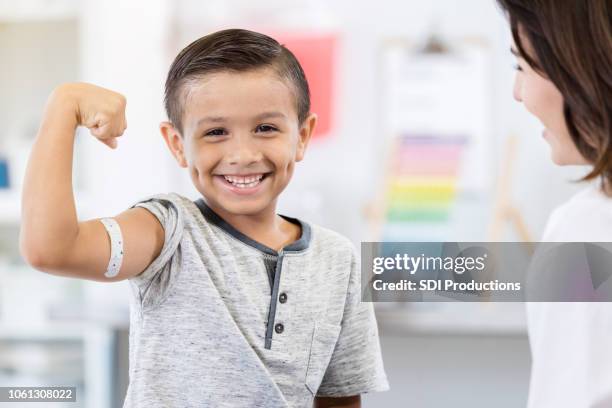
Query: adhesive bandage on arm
{"points": [[116, 240]]}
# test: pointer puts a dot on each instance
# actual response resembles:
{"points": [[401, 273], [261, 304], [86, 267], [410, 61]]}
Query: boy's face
{"points": [[241, 139]]}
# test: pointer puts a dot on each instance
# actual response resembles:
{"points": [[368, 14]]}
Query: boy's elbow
{"points": [[35, 256]]}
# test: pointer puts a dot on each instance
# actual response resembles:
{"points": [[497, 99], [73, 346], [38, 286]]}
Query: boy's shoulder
{"points": [[173, 203], [326, 240], [174, 198], [173, 210]]}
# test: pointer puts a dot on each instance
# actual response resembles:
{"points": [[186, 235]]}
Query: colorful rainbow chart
{"points": [[422, 186]]}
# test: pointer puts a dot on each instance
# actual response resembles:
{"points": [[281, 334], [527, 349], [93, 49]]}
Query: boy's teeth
{"points": [[244, 182]]}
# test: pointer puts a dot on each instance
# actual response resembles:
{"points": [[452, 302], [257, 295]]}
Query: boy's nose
{"points": [[243, 153]]}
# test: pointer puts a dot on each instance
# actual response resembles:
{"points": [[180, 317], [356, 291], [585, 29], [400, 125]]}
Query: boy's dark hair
{"points": [[572, 47], [232, 50]]}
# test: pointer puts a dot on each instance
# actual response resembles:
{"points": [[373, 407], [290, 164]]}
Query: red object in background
{"points": [[316, 53]]}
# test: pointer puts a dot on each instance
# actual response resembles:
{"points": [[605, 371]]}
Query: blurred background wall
{"points": [[66, 332]]}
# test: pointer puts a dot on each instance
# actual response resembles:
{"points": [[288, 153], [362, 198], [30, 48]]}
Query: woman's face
{"points": [[543, 100]]}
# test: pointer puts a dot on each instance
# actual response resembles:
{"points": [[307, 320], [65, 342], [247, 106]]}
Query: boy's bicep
{"points": [[142, 238]]}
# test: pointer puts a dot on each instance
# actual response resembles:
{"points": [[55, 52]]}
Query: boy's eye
{"points": [[215, 132], [265, 128]]}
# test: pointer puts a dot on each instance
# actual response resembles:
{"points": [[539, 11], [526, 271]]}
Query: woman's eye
{"points": [[215, 132], [265, 128], [517, 67]]}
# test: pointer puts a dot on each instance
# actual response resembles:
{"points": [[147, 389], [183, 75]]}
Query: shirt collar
{"points": [[301, 244]]}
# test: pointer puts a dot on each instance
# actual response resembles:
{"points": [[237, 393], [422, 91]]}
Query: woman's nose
{"points": [[518, 88]]}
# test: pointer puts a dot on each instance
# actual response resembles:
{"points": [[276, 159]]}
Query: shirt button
{"points": [[282, 298], [279, 328]]}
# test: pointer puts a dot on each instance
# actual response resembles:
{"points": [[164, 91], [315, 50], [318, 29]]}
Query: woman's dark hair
{"points": [[570, 43], [232, 50]]}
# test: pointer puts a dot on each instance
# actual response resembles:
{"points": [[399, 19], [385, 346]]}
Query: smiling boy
{"points": [[232, 304]]}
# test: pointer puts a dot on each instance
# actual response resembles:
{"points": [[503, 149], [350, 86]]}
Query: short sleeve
{"points": [[356, 366], [153, 283]]}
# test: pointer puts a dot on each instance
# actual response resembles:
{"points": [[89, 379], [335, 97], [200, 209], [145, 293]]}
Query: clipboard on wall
{"points": [[435, 103]]}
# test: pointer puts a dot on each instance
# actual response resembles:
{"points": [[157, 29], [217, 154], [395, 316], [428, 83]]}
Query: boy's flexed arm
{"points": [[51, 237]]}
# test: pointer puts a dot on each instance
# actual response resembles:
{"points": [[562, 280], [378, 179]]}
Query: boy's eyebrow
{"points": [[270, 115], [221, 119], [213, 119]]}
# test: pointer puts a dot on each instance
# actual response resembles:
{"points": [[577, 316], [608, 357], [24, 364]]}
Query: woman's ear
{"points": [[306, 129], [174, 140]]}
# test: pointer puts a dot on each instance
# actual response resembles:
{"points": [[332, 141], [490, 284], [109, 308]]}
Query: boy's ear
{"points": [[306, 130], [174, 141]]}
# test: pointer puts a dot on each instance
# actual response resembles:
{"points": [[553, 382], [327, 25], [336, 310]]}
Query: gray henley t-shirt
{"points": [[219, 320]]}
